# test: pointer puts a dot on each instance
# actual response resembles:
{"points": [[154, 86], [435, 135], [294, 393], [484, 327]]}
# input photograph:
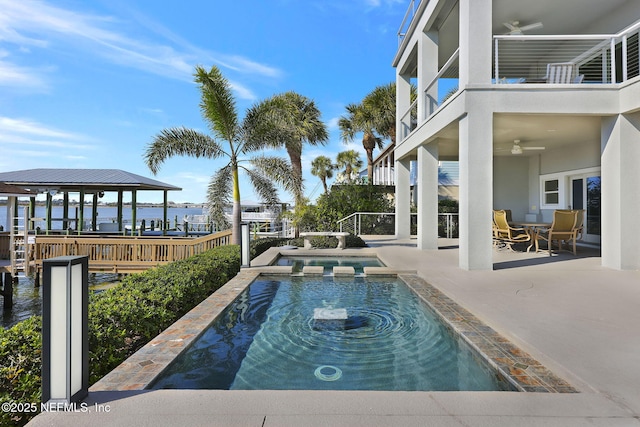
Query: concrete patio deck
{"points": [[576, 317]]}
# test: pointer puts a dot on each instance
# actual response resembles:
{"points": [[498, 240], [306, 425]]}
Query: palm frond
{"points": [[217, 103], [219, 195], [279, 171], [287, 119], [180, 141], [264, 188]]}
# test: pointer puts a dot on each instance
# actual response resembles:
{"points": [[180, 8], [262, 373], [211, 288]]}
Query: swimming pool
{"points": [[357, 262], [334, 334]]}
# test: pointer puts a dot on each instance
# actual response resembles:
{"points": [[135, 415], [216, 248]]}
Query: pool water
{"points": [[368, 334], [358, 263]]}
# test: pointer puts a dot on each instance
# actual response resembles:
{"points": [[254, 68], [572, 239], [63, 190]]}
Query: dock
{"points": [[115, 253]]}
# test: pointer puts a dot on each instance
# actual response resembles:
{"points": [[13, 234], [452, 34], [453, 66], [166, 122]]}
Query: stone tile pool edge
{"points": [[516, 366]]}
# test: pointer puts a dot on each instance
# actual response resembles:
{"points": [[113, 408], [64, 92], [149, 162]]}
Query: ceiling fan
{"points": [[516, 30], [517, 149]]}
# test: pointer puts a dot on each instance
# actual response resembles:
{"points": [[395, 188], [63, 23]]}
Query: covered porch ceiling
{"points": [[540, 130]]}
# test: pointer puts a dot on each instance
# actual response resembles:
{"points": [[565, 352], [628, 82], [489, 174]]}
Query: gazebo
{"points": [[96, 182]]}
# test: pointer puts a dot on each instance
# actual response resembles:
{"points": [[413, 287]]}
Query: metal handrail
{"points": [[353, 222], [408, 17], [579, 49]]}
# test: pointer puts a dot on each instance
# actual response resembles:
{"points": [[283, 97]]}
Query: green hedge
{"points": [[20, 369], [121, 321]]}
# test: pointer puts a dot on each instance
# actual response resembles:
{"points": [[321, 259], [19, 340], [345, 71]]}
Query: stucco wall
{"points": [[570, 157], [511, 185]]}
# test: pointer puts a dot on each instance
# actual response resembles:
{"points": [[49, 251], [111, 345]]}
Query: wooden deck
{"points": [[124, 254]]}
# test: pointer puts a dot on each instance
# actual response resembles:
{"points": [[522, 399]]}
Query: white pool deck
{"points": [[579, 319]]}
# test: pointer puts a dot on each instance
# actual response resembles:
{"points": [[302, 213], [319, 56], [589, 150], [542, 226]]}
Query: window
{"points": [[551, 192]]}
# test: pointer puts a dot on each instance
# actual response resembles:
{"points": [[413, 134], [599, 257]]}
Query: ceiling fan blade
{"points": [[510, 26], [533, 148], [534, 26]]}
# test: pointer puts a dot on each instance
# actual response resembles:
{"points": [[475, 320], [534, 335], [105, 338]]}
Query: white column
{"points": [[428, 196], [476, 189], [620, 200], [403, 102], [475, 42], [403, 199], [427, 71], [386, 171]]}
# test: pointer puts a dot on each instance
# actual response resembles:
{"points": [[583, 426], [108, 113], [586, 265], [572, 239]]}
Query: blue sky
{"points": [[88, 83]]}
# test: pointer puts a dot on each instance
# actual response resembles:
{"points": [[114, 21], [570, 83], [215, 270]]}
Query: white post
{"points": [[245, 246], [620, 201], [476, 189], [427, 71], [403, 196], [428, 196], [65, 330], [476, 39]]}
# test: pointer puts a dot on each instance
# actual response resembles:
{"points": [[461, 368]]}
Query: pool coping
{"points": [[517, 367]]}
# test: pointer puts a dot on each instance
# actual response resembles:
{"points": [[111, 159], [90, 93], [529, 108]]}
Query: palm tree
{"points": [[218, 108], [323, 167], [288, 120], [350, 161], [382, 104], [360, 118], [375, 116]]}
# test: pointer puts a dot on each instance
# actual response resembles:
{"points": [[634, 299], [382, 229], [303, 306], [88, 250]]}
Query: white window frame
{"points": [[562, 185]]}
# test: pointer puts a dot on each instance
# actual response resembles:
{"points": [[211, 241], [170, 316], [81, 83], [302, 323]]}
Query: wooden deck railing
{"points": [[125, 254]]}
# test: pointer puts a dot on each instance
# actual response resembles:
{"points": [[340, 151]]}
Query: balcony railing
{"points": [[383, 224], [601, 59], [406, 21]]}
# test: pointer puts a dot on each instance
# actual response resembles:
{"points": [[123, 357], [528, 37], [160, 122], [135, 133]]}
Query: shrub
{"points": [[259, 246], [121, 321], [20, 369], [345, 199]]}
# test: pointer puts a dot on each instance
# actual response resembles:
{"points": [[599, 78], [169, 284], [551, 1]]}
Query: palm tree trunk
{"points": [[296, 165], [324, 184], [370, 166], [237, 208]]}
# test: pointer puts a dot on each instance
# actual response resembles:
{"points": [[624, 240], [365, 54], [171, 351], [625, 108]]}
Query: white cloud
{"points": [[38, 24], [242, 92], [26, 142], [13, 75], [30, 127], [332, 123]]}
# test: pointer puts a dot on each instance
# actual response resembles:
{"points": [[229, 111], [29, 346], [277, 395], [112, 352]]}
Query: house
{"points": [[383, 174], [539, 102]]}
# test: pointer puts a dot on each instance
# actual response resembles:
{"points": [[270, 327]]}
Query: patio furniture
{"points": [[560, 73], [341, 236], [506, 235], [579, 227], [532, 228], [562, 229]]}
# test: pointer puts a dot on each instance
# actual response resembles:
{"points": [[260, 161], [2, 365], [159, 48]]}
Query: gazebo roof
{"points": [[12, 190], [41, 180]]}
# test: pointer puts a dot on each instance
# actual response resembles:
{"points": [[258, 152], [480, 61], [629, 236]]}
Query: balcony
{"points": [[600, 59], [524, 59]]}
